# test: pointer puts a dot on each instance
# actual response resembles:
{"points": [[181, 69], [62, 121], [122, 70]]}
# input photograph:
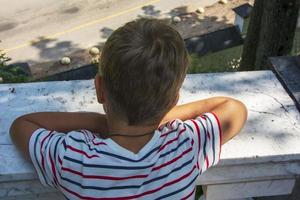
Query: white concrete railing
{"points": [[263, 160]]}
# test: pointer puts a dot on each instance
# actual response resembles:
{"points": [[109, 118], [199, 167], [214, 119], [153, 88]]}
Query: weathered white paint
{"points": [[239, 21], [267, 149], [249, 189]]}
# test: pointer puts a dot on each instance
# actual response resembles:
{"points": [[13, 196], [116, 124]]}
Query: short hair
{"points": [[143, 65]]}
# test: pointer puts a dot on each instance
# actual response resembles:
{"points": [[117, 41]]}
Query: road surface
{"points": [[37, 31]]}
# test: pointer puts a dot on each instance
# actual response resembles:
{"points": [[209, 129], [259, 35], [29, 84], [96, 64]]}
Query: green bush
{"points": [[11, 74]]}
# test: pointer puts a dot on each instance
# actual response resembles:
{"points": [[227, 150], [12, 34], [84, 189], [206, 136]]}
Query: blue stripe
{"points": [[213, 140], [174, 170], [60, 184], [49, 140], [64, 144], [34, 150], [107, 166], [189, 127], [176, 148], [205, 138], [118, 156], [180, 190], [55, 147], [54, 182], [127, 186], [99, 188]]}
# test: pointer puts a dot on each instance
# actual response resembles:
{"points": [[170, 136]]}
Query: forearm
{"points": [[68, 121], [23, 127], [232, 114], [194, 109]]}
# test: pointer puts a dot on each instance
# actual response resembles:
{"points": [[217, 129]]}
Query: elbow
{"points": [[239, 113], [243, 110], [238, 107], [14, 128]]}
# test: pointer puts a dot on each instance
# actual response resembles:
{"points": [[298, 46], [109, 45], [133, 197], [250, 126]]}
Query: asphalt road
{"points": [[36, 31]]}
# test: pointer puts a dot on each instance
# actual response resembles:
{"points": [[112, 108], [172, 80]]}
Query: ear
{"points": [[99, 89]]}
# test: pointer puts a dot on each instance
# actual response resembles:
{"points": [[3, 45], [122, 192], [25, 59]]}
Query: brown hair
{"points": [[143, 65]]}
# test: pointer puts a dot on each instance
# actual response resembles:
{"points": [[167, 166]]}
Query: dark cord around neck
{"points": [[126, 135]]}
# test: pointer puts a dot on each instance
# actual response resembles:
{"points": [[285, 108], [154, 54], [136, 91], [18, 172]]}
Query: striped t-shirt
{"points": [[83, 166]]}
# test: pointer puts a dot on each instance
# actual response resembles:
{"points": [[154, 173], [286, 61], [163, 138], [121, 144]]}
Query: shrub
{"points": [[11, 74]]}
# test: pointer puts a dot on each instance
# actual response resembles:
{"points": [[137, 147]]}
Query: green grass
{"points": [[199, 192], [224, 61], [228, 60]]}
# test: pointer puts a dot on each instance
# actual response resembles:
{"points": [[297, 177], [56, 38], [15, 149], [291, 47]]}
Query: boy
{"points": [[145, 147]]}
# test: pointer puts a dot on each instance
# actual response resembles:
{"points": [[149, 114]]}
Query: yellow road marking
{"points": [[75, 28]]}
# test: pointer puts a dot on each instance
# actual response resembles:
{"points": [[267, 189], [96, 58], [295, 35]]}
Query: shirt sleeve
{"points": [[207, 134], [47, 150]]}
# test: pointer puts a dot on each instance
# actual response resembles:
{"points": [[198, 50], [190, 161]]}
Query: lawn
{"points": [[223, 61]]}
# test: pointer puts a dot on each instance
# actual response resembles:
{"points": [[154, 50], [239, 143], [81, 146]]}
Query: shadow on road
{"points": [[191, 24]]}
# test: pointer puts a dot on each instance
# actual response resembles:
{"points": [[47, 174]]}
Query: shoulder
{"points": [[175, 129], [83, 135]]}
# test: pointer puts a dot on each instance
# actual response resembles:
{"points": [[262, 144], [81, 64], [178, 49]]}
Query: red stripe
{"points": [[199, 142], [198, 134], [154, 190], [160, 128], [198, 166], [42, 143], [173, 160], [170, 141], [76, 194], [94, 137], [59, 160], [80, 151], [167, 133], [220, 132], [102, 177], [208, 134], [171, 124], [98, 143], [133, 196], [190, 194], [207, 161], [203, 117], [53, 169], [204, 128]]}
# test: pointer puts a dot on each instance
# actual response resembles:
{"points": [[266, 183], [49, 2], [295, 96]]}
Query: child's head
{"points": [[142, 67]]}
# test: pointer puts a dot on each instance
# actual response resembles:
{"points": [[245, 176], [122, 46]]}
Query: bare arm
{"points": [[23, 127], [231, 113]]}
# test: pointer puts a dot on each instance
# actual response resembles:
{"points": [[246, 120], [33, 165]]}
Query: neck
{"points": [[119, 127]]}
